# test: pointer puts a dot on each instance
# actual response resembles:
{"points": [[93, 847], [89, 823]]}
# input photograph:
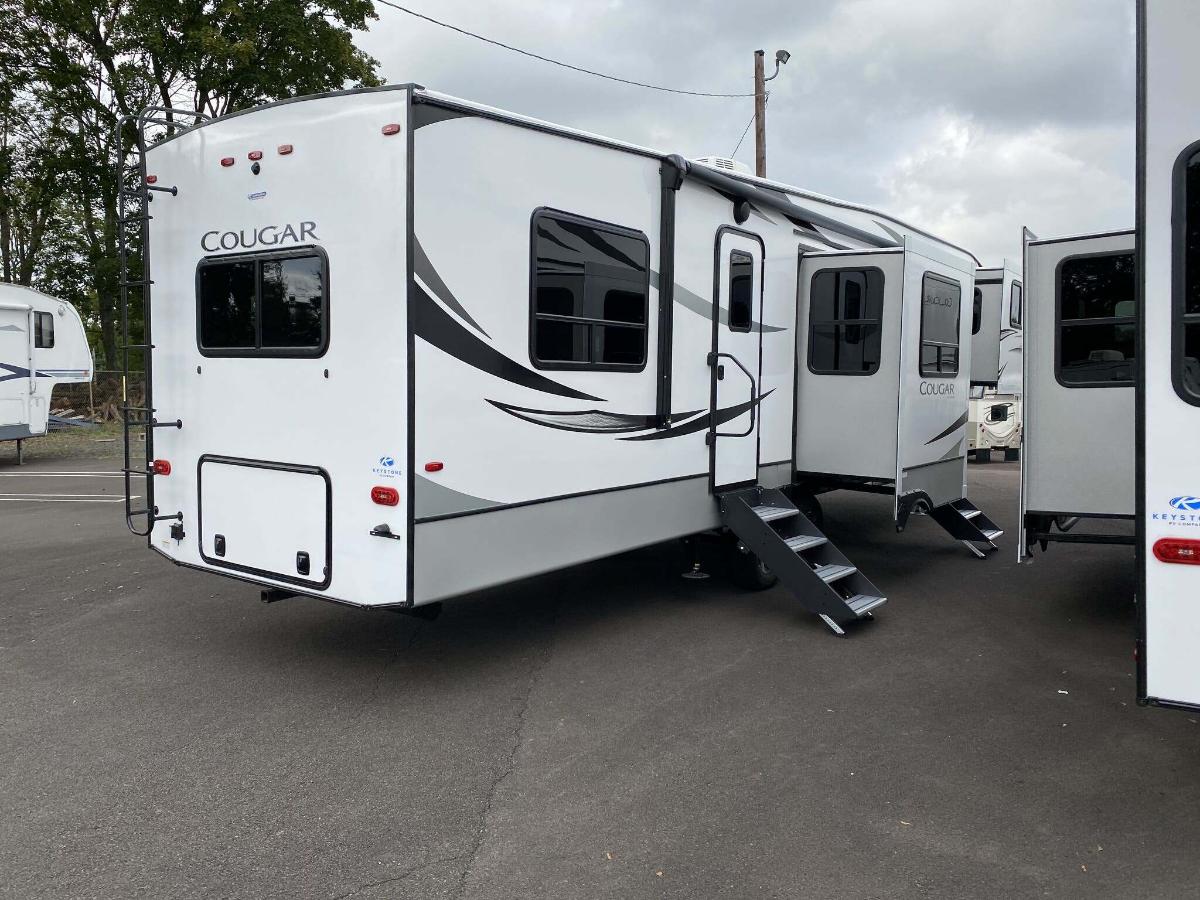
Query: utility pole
{"points": [[760, 108], [760, 116]]}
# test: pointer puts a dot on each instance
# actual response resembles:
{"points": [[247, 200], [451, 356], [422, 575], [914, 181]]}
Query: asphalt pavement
{"points": [[609, 731]]}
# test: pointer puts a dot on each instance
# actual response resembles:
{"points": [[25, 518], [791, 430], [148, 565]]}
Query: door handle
{"points": [[712, 361]]}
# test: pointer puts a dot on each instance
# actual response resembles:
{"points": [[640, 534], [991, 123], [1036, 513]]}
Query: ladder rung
{"points": [[134, 283], [138, 471], [136, 409], [136, 347]]}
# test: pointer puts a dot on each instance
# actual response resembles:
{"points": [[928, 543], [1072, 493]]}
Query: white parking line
{"points": [[60, 474], [64, 498]]}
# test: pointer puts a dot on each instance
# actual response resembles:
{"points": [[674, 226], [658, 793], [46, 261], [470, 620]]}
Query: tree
{"points": [[86, 64]]}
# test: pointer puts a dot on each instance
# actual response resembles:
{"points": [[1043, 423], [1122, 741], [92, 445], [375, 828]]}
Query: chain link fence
{"points": [[100, 400]]}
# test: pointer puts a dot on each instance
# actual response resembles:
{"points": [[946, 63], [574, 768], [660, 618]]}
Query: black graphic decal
{"points": [[424, 270], [594, 421], [433, 324], [958, 423], [703, 423]]}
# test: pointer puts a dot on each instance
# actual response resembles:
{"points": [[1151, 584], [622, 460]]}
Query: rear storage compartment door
{"points": [[15, 362], [267, 519]]}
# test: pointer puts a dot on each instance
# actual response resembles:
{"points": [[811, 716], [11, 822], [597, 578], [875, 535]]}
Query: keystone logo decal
{"points": [[1187, 512], [386, 467]]}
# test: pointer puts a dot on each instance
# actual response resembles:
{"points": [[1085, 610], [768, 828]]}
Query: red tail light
{"points": [[285, 149], [254, 155], [391, 128], [1177, 550], [162, 467], [150, 179], [385, 496], [433, 466], [227, 161]]}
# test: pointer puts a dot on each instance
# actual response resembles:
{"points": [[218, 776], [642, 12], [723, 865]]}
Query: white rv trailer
{"points": [[409, 346], [995, 419], [1168, 382], [42, 344], [1079, 373]]}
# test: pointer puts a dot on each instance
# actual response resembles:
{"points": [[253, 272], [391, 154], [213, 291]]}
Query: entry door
{"points": [[935, 374], [735, 360], [15, 363], [1169, 388]]}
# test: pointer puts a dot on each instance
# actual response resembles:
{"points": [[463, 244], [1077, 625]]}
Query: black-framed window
{"points": [[1185, 354], [845, 321], [977, 311], [741, 290], [941, 302], [1097, 320], [590, 294], [263, 304], [1014, 305], [43, 330]]}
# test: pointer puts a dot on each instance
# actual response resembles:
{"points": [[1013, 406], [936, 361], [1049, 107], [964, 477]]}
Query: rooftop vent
{"points": [[722, 162]]}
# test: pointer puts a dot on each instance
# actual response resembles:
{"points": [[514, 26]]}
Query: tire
{"points": [[1012, 454], [750, 573], [983, 456]]}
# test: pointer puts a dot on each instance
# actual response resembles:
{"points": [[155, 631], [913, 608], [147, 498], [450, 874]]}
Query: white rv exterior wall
{"points": [[344, 412]]}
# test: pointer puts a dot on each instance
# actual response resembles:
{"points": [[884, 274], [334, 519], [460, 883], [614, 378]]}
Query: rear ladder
{"points": [[801, 556], [134, 195]]}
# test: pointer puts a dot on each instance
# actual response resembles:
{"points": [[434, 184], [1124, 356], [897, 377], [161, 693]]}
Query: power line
{"points": [[747, 129], [553, 62]]}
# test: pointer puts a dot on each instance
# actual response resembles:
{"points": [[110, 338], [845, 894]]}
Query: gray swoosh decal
{"points": [[958, 423], [592, 421], [11, 328], [433, 499], [702, 307], [954, 452]]}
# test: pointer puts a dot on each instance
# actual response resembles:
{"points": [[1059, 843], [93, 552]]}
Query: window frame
{"points": [[1113, 320], [39, 330], [837, 322], [957, 345], [1015, 321], [258, 258], [1180, 318], [534, 315]]}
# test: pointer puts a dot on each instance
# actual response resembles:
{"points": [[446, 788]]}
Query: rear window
{"points": [[267, 304], [1097, 320], [940, 301]]}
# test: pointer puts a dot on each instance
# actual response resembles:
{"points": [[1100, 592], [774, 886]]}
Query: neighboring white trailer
{"points": [[42, 344], [995, 421], [436, 347], [1168, 384], [1079, 373]]}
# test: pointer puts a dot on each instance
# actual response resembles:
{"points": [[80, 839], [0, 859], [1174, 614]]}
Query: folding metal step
{"points": [[806, 562], [802, 542], [832, 572], [965, 522], [771, 513]]}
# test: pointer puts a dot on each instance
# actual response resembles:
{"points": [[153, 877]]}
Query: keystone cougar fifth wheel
{"points": [[1168, 386], [406, 347]]}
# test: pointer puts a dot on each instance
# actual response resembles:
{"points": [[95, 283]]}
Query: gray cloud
{"points": [[969, 118]]}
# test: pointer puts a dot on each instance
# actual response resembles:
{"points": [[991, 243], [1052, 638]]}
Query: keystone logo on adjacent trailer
{"points": [[1187, 512], [1186, 502], [266, 236], [386, 467]]}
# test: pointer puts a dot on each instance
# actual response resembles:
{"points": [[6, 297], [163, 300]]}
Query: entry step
{"points": [[971, 513], [802, 542], [833, 572], [771, 513], [992, 533], [864, 603]]}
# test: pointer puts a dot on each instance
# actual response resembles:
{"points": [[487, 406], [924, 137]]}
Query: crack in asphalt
{"points": [[403, 876], [518, 739]]}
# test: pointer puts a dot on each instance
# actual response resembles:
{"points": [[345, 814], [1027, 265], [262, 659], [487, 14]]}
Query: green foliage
{"points": [[71, 69]]}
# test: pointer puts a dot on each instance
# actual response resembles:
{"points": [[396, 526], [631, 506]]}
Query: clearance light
{"points": [[433, 467], [385, 496], [227, 161], [285, 149], [254, 155], [150, 179], [391, 128], [1177, 550], [162, 467]]}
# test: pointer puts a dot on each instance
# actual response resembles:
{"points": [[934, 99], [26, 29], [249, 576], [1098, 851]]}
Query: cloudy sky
{"points": [[966, 117]]}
